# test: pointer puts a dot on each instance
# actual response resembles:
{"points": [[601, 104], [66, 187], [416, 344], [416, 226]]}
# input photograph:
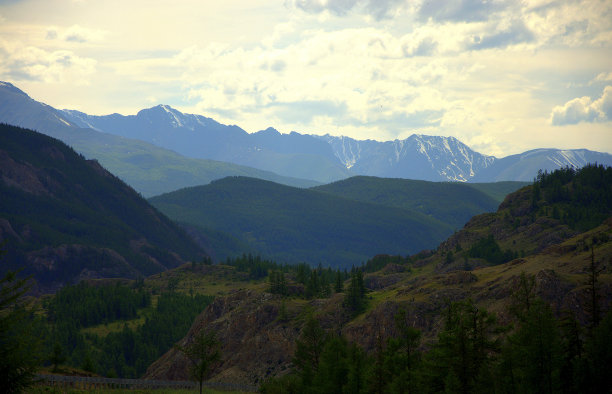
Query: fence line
{"points": [[90, 382]]}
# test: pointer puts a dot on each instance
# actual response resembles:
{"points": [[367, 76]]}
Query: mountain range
{"points": [[154, 150], [149, 169], [329, 158]]}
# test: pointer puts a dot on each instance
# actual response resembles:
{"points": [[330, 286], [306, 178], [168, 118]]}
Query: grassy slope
{"points": [[295, 225]]}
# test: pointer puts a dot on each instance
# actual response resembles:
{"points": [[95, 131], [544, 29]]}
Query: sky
{"points": [[501, 76]]}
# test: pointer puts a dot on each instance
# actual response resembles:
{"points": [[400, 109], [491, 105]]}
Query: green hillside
{"points": [[152, 170], [498, 190], [63, 217], [451, 203], [293, 225]]}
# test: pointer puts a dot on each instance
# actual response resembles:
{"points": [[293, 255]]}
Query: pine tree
{"points": [[308, 350], [339, 283]]}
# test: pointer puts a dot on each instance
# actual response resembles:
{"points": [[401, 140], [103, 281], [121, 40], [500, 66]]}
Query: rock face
{"points": [[255, 343]]}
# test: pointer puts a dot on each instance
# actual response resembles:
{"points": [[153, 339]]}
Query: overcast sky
{"points": [[502, 76]]}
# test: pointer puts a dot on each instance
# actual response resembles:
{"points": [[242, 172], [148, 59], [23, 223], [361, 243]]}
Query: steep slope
{"points": [[296, 225], [147, 168], [451, 203], [64, 218]]}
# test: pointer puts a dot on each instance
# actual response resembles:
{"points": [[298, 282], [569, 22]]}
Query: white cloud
{"points": [[584, 109], [28, 63], [604, 76], [75, 33]]}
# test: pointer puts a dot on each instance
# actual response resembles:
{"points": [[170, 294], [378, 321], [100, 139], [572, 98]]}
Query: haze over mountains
{"points": [[184, 137]]}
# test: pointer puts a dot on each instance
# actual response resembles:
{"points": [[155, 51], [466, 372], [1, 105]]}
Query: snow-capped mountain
{"points": [[328, 158], [320, 158], [416, 157], [525, 166]]}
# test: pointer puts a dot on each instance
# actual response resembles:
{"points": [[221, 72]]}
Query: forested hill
{"points": [[297, 225], [452, 203], [519, 300], [63, 217]]}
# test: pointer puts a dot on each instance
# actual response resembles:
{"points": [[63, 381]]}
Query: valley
{"points": [[364, 284]]}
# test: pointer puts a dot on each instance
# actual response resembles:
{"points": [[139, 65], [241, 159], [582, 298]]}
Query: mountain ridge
{"points": [[323, 159], [420, 156], [65, 218]]}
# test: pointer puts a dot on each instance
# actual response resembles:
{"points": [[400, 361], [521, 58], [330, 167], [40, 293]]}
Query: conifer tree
{"points": [[19, 348]]}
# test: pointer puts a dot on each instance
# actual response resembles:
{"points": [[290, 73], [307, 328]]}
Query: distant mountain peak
{"points": [[271, 131], [12, 88]]}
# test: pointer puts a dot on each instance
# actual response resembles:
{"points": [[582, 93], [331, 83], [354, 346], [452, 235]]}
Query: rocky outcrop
{"points": [[255, 343]]}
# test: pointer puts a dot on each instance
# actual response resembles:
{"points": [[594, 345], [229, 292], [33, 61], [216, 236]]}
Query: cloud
{"points": [[378, 9], [305, 111], [516, 33], [604, 77], [460, 11], [584, 109], [425, 47], [20, 63], [75, 33]]}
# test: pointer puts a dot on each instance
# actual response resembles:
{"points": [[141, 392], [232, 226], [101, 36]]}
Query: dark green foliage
{"points": [[126, 353], [339, 282], [19, 347], [333, 366], [308, 350], [593, 307], [599, 357], [403, 356], [488, 249], [87, 305], [532, 357], [57, 356], [130, 352], [355, 300], [582, 198], [256, 266], [286, 384], [460, 360], [296, 225]]}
